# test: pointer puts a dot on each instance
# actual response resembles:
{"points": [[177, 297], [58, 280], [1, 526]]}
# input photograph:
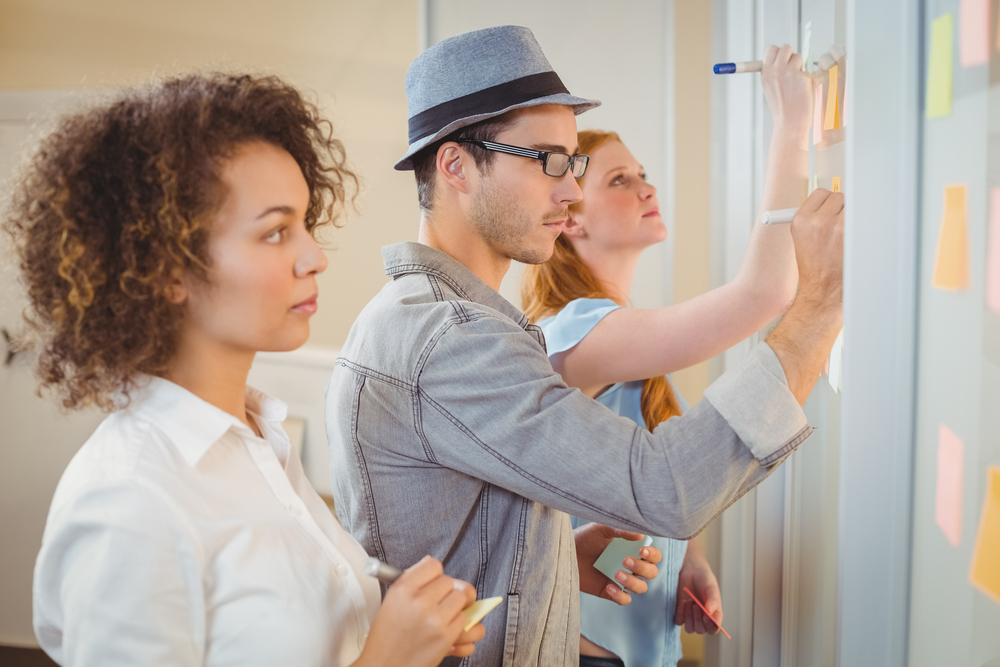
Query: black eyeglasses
{"points": [[553, 164]]}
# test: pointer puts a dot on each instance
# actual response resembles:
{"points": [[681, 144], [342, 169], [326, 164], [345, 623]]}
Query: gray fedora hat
{"points": [[468, 78]]}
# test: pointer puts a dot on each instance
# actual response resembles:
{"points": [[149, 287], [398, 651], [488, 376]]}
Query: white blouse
{"points": [[178, 537]]}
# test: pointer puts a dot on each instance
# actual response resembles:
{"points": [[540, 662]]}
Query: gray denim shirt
{"points": [[451, 435]]}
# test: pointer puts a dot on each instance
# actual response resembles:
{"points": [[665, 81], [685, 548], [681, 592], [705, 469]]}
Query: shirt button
{"points": [[363, 640], [343, 571], [295, 510]]}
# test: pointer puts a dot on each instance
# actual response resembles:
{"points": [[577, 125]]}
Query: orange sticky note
{"points": [[843, 115], [948, 496], [951, 265], [698, 602], [818, 116], [832, 111], [974, 35], [993, 254], [835, 184], [984, 573]]}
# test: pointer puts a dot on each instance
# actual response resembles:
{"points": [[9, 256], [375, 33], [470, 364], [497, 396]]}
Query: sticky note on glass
{"points": [[832, 121], [818, 116], [835, 184], [984, 573], [610, 560], [951, 264], [974, 32], [939, 68], [948, 494], [993, 254], [835, 363], [475, 611]]}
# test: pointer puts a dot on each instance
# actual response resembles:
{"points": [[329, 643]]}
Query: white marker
{"points": [[826, 61], [782, 216]]}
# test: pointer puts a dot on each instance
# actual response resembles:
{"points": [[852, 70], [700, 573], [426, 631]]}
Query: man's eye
{"points": [[275, 236]]}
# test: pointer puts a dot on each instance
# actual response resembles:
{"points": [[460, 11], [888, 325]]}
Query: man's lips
{"points": [[655, 211]]}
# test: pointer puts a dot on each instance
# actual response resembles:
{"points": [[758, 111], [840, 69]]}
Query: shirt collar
{"points": [[192, 424], [410, 257]]}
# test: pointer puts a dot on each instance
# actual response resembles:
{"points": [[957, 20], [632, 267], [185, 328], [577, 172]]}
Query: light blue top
{"points": [[642, 634]]}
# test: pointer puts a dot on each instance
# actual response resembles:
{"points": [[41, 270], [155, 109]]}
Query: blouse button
{"points": [[363, 640], [295, 510], [342, 570]]}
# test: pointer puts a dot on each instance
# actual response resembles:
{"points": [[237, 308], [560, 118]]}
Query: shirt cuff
{"points": [[755, 401]]}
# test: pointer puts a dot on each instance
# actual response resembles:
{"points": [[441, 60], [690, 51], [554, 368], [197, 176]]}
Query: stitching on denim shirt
{"points": [[484, 534], [435, 287], [796, 440], [401, 269], [359, 384], [417, 420], [372, 373]]}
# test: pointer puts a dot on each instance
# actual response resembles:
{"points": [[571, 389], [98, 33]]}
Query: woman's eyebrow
{"points": [[284, 210]]}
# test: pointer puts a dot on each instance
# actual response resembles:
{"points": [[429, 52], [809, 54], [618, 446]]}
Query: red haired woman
{"points": [[621, 355]]}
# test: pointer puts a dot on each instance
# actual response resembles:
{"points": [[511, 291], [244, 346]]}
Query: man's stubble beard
{"points": [[505, 226]]}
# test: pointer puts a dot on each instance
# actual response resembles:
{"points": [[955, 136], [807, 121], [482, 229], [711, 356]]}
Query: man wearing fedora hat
{"points": [[451, 434]]}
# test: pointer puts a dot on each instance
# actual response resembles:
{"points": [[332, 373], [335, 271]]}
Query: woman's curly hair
{"points": [[116, 204]]}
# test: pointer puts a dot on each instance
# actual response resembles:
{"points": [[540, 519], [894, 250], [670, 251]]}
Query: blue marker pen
{"points": [[738, 68]]}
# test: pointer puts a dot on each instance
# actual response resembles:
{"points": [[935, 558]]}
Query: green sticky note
{"points": [[939, 69], [610, 560]]}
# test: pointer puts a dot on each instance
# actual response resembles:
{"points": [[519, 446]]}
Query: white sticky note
{"points": [[807, 35], [475, 611], [836, 362]]}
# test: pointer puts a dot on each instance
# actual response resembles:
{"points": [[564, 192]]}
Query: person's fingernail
{"points": [[620, 577], [644, 552], [612, 589], [459, 585], [629, 562]]}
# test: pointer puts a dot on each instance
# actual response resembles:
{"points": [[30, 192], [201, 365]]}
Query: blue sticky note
{"points": [[610, 561]]}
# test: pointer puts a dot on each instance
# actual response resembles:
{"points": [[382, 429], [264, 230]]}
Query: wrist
{"points": [[788, 135]]}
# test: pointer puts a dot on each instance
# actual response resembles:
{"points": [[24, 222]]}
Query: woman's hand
{"points": [[591, 541], [788, 91], [421, 620], [697, 576]]}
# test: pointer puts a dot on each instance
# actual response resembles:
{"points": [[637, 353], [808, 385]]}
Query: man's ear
{"points": [[455, 166]]}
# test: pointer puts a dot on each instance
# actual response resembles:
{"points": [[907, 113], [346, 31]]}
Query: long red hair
{"points": [[547, 288]]}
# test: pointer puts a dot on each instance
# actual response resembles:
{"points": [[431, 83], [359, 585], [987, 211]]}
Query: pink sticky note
{"points": [[948, 498], [974, 36], [818, 115], [993, 254]]}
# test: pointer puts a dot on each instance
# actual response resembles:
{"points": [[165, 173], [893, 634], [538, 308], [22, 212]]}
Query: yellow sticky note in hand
{"points": [[475, 611], [939, 69], [832, 108], [835, 184], [951, 265], [984, 573]]}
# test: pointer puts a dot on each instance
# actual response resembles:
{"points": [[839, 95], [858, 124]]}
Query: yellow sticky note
{"points": [[984, 573], [832, 109], [813, 183], [835, 184], [475, 611], [939, 69], [951, 265]]}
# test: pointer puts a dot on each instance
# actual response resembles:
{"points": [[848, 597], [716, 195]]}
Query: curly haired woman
{"points": [[166, 236]]}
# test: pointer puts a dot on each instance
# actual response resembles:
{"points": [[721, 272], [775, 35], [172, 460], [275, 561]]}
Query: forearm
{"points": [[802, 341], [768, 269]]}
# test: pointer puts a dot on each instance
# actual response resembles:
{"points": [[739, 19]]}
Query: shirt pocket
{"points": [[510, 638]]}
